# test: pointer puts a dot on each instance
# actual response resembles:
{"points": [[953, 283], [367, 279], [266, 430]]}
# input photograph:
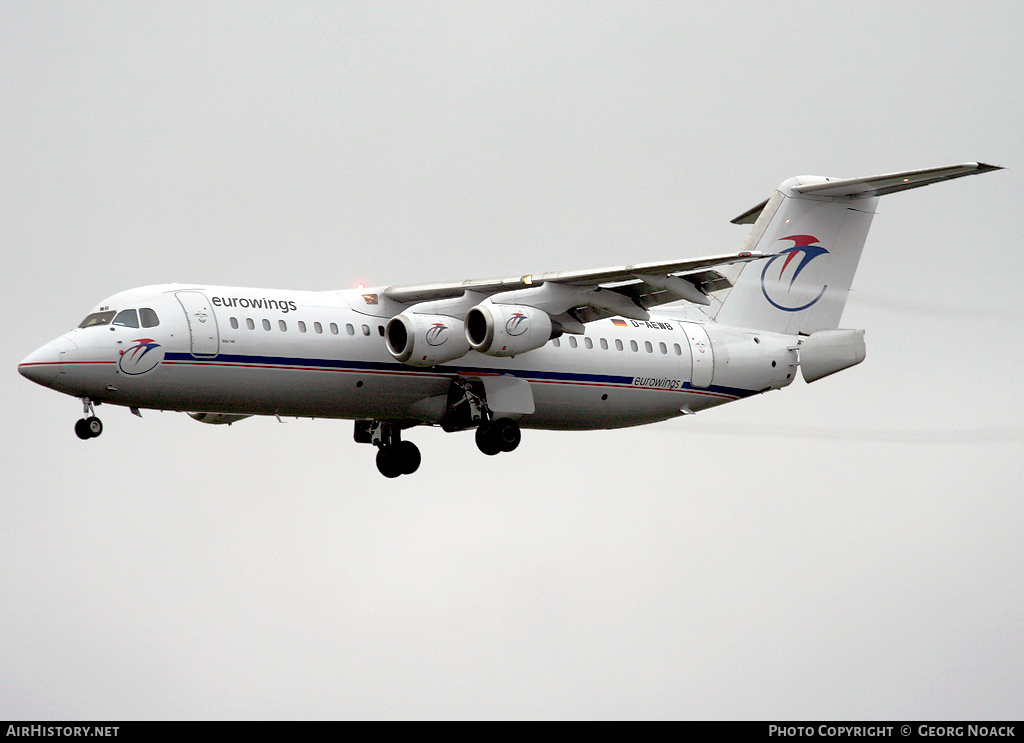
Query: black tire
{"points": [[507, 433], [486, 440], [82, 429], [388, 463], [408, 455], [94, 425]]}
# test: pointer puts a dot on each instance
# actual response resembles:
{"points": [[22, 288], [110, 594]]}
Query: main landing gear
{"points": [[493, 437], [89, 427], [394, 456], [466, 408]]}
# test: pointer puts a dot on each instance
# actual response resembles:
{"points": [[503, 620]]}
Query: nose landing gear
{"points": [[89, 427]]}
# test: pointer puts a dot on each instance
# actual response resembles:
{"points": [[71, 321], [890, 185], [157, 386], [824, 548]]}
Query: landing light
{"points": [[528, 279]]}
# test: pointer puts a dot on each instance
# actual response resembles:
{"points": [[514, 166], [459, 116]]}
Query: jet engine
{"points": [[425, 340], [507, 329]]}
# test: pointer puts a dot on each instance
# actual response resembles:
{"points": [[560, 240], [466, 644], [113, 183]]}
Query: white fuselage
{"points": [[243, 351]]}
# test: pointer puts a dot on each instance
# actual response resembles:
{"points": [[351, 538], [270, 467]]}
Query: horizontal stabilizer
{"points": [[873, 185], [750, 215], [880, 185]]}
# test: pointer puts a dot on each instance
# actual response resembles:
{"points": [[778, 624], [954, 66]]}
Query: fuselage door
{"points": [[703, 354], [202, 323]]}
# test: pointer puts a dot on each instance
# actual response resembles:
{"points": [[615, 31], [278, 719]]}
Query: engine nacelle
{"points": [[507, 329], [425, 340], [217, 419]]}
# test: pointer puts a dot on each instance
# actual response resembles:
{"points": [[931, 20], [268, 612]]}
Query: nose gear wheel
{"points": [[89, 427]]}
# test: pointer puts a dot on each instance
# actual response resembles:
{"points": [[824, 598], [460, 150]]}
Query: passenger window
{"points": [[250, 324], [97, 318], [663, 348], [302, 326], [572, 341], [380, 329], [366, 330], [556, 343], [349, 329], [677, 349], [318, 327], [283, 325], [648, 347], [266, 324], [234, 323], [633, 346], [618, 345], [604, 345], [334, 328], [148, 317], [588, 343], [127, 319]]}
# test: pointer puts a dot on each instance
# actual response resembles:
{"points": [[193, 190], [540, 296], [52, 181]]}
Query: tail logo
{"points": [[141, 357], [780, 293], [437, 335]]}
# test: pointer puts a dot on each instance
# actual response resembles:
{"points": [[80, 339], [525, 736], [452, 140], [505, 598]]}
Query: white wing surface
{"points": [[590, 294]]}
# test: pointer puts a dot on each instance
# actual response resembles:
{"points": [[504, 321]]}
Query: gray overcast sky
{"points": [[847, 549]]}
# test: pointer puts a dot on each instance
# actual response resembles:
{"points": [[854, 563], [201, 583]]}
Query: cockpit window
{"points": [[98, 318], [148, 317], [127, 318]]}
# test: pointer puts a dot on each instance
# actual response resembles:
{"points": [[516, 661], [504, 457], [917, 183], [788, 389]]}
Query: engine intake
{"points": [[506, 330], [425, 340]]}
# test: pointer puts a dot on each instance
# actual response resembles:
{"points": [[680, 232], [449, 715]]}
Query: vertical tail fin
{"points": [[813, 229]]}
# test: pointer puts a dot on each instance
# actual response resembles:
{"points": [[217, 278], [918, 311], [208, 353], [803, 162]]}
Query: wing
{"points": [[575, 297]]}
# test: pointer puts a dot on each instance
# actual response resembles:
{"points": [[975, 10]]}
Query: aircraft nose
{"points": [[41, 365]]}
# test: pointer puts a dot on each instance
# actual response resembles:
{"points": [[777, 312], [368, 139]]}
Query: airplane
{"points": [[603, 348]]}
